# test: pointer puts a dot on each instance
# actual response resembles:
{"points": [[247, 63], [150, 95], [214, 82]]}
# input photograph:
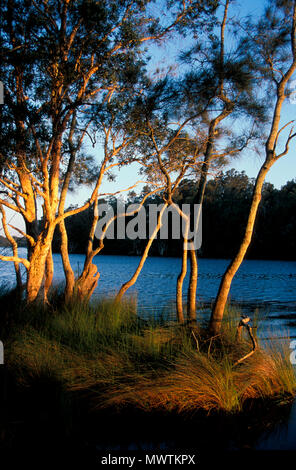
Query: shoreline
{"points": [[84, 369]]}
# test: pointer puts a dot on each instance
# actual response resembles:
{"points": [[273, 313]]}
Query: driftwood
{"points": [[244, 323], [211, 341], [196, 340]]}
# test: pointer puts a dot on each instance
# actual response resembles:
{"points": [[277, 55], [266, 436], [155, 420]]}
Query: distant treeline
{"points": [[224, 214]]}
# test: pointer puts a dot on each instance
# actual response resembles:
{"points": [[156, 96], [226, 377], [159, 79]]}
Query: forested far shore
{"points": [[224, 214]]}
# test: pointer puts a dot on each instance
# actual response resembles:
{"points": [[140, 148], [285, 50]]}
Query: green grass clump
{"points": [[107, 352]]}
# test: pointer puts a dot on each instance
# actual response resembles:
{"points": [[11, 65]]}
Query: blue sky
{"points": [[285, 168], [280, 173]]}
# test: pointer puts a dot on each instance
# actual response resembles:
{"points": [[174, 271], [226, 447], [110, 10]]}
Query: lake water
{"points": [[269, 286]]}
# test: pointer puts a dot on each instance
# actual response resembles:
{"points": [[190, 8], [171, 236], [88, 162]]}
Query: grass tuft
{"points": [[105, 351]]}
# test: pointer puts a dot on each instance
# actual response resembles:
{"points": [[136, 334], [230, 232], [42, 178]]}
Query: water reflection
{"points": [[269, 286], [266, 428], [283, 436]]}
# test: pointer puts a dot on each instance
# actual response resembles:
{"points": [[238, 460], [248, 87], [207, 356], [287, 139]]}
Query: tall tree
{"points": [[273, 45], [221, 85], [58, 59], [166, 151]]}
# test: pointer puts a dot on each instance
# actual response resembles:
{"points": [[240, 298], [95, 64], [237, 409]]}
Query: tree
{"points": [[166, 151], [58, 60], [273, 45], [221, 85]]}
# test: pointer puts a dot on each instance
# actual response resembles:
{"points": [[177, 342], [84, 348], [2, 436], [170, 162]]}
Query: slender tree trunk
{"points": [[191, 295], [69, 273], [222, 296], [135, 276], [270, 158], [49, 268], [14, 247], [182, 275], [179, 290]]}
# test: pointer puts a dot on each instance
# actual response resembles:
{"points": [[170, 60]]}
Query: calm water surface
{"points": [[269, 286]]}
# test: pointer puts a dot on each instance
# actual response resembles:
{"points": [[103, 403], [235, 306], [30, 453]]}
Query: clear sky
{"points": [[280, 173], [285, 168]]}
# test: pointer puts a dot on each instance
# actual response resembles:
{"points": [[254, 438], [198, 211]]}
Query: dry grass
{"points": [[194, 382], [200, 382], [106, 353]]}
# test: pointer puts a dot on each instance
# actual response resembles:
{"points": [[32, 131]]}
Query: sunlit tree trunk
{"points": [[48, 277], [38, 259], [270, 158], [179, 290], [182, 275], [191, 294], [14, 247], [221, 299], [135, 276], [87, 281], [69, 273]]}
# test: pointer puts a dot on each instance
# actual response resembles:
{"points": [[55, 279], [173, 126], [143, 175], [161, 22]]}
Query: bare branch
{"points": [[122, 190], [278, 133], [16, 259], [12, 188], [8, 204], [291, 136], [31, 239]]}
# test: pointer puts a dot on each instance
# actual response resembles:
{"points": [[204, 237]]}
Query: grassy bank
{"points": [[107, 355]]}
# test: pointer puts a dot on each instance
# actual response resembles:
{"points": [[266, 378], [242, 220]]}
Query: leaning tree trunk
{"points": [[135, 276], [270, 158], [87, 281], [222, 296]]}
